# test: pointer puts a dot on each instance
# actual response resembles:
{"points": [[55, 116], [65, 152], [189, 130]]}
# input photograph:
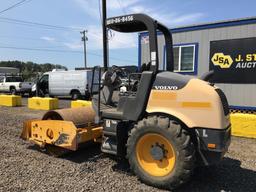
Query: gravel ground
{"points": [[24, 168]]}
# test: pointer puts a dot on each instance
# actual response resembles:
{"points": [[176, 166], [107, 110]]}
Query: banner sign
{"points": [[233, 61]]}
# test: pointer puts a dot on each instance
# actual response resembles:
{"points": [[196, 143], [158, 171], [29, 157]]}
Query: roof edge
{"points": [[212, 25]]}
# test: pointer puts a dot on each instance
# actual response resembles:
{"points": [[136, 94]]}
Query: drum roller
{"points": [[81, 117], [63, 129]]}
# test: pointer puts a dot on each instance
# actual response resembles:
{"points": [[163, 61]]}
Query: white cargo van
{"points": [[65, 83]]}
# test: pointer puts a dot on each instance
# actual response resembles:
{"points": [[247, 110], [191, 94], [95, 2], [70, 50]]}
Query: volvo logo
{"points": [[166, 87]]}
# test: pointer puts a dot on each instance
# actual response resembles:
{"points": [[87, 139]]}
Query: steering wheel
{"points": [[119, 71], [112, 77]]}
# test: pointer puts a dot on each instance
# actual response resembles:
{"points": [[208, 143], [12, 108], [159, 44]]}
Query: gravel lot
{"points": [[24, 168]]}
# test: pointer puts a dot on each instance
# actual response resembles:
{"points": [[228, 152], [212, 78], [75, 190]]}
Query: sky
{"points": [[62, 44]]}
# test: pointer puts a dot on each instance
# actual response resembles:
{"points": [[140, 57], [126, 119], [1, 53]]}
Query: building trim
{"points": [[195, 72], [242, 107], [230, 23], [214, 25]]}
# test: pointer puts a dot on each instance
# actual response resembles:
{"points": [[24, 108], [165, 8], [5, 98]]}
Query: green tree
{"points": [[31, 70]]}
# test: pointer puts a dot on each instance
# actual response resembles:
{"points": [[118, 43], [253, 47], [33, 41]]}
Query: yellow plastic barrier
{"points": [[243, 125], [43, 103], [10, 100], [80, 103]]}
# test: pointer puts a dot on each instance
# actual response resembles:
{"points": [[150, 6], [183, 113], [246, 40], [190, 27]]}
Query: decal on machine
{"points": [[153, 58], [159, 87], [122, 19]]}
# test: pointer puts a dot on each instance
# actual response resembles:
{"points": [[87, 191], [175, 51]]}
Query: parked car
{"points": [[14, 84], [64, 83]]}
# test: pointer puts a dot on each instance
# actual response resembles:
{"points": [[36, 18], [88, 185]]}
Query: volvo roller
{"points": [[164, 123]]}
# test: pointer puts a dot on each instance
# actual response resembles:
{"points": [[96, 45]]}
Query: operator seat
{"points": [[145, 66], [109, 82], [131, 107]]}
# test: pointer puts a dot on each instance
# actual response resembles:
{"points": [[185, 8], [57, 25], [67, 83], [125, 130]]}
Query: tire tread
{"points": [[184, 151]]}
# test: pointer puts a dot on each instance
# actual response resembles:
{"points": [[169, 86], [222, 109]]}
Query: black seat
{"points": [[108, 97], [131, 107], [106, 92]]}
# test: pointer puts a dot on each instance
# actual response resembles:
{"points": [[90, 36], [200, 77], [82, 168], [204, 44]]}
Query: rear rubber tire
{"points": [[75, 95], [13, 91], [87, 96], [41, 93], [181, 143]]}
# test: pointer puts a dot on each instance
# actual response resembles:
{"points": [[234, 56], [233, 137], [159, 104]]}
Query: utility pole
{"points": [[104, 34], [84, 39]]}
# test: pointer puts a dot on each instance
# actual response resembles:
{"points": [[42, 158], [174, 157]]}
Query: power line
{"points": [[110, 33], [99, 1], [54, 27], [32, 24], [15, 38], [15, 5], [39, 49], [62, 51], [28, 38]]}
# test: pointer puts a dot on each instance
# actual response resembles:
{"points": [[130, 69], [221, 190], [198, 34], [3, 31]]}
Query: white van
{"points": [[65, 83]]}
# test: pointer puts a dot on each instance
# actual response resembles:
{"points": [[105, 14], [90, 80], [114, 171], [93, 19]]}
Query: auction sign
{"points": [[233, 61]]}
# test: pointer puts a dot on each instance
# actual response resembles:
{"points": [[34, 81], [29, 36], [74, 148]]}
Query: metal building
{"points": [[227, 47]]}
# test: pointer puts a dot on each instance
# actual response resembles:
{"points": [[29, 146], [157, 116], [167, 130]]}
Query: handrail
{"points": [[99, 92], [93, 75], [99, 85]]}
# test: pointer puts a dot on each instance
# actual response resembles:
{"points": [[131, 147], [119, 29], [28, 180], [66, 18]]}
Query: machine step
{"points": [[109, 145]]}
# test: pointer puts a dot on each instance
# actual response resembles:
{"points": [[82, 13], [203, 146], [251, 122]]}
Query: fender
{"points": [[197, 105]]}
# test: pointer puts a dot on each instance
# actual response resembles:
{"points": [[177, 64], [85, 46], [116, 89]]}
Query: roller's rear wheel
{"points": [[160, 152]]}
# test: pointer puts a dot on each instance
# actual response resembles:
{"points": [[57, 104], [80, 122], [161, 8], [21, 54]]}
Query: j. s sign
{"points": [[233, 61]]}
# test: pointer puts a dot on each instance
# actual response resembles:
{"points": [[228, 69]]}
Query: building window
{"points": [[184, 58]]}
